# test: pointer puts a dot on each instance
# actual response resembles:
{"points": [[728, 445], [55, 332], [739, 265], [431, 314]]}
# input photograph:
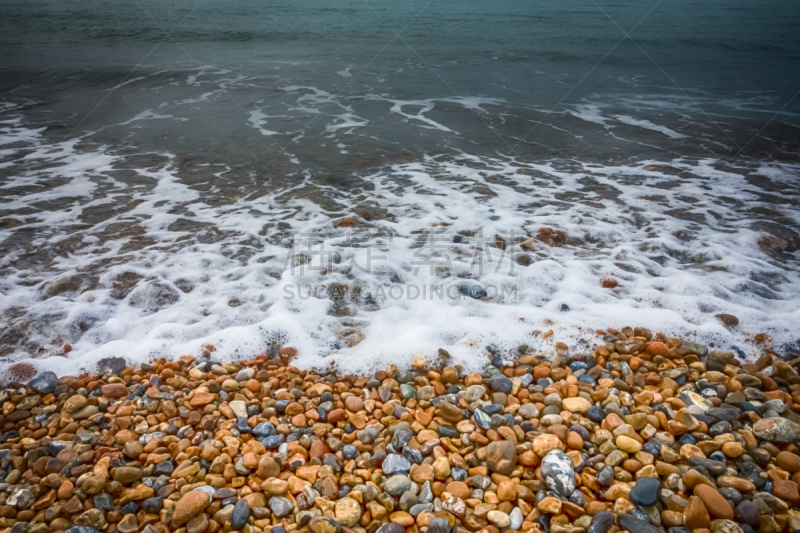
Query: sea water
{"points": [[373, 181]]}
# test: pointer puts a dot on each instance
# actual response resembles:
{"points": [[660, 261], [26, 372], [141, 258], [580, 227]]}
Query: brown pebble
{"points": [[715, 503], [788, 461], [695, 515], [786, 490]]}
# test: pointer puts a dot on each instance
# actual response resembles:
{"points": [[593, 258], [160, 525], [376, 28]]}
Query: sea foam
{"points": [[457, 252]]}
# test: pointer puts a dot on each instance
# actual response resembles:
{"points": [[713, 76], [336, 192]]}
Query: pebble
{"points": [[714, 502], [20, 498], [725, 526], [636, 525], [348, 512], [408, 391], [324, 524], [777, 430], [44, 382], [628, 444], [128, 524], [389, 527], [190, 505], [596, 413], [528, 410], [280, 506], [747, 512], [558, 472], [239, 408], [498, 518], [644, 432], [501, 456], [646, 492], [152, 505], [402, 436], [500, 383], [264, 429], [394, 464], [482, 420], [576, 405], [197, 524], [601, 522], [397, 485], [439, 525], [241, 513]]}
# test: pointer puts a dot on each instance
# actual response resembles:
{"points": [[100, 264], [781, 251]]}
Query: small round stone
{"points": [[646, 492]]}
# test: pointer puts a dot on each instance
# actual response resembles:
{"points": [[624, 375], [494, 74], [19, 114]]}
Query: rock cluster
{"points": [[644, 434]]}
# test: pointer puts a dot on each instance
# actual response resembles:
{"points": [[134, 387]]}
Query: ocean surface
{"points": [[373, 181]]}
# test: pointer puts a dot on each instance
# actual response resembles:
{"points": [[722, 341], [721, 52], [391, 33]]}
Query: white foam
{"points": [[145, 115], [646, 124], [589, 113], [427, 105], [674, 274], [349, 121], [257, 120]]}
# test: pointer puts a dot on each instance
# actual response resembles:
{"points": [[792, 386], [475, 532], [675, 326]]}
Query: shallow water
{"points": [[176, 174]]}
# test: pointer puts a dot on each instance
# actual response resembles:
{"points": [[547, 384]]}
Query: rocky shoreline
{"points": [[644, 433]]}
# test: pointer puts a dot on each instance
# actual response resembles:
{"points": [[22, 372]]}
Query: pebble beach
{"points": [[271, 266], [645, 433]]}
